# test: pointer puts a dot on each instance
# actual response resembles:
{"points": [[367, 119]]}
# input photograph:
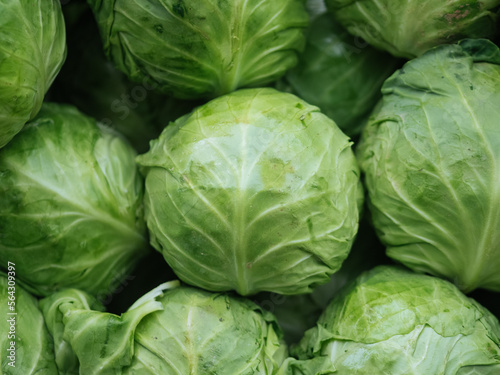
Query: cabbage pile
{"points": [[249, 187]]}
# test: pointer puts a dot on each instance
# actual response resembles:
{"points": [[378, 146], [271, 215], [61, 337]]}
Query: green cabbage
{"points": [[340, 74], [394, 322], [202, 48], [32, 50], [254, 191], [70, 204], [409, 28], [26, 347], [431, 156], [170, 330]]}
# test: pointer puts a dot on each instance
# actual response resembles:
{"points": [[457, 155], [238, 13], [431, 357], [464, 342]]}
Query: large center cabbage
{"points": [[254, 191]]}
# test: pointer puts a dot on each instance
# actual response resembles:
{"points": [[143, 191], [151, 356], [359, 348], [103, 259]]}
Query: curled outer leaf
{"points": [[170, 330]]}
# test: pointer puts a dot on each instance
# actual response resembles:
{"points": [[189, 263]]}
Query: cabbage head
{"points": [[254, 191], [340, 74], [32, 50], [170, 330], [431, 157], [70, 204], [392, 321], [202, 48], [26, 347], [409, 28]]}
